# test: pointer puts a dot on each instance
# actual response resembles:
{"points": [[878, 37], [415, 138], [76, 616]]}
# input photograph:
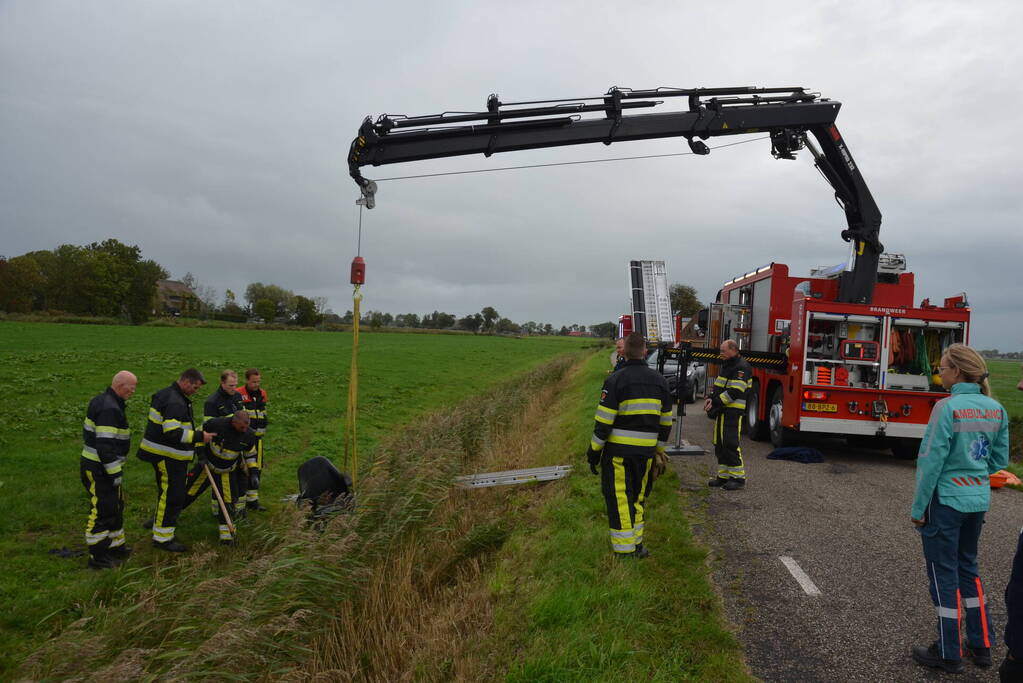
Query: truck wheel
{"points": [[781, 436], [757, 427], [904, 448]]}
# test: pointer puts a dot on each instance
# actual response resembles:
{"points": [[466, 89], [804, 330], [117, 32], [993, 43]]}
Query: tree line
{"points": [[111, 279], [107, 278], [487, 321]]}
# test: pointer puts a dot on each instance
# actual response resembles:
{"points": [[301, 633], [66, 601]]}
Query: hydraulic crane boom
{"points": [[787, 114]]}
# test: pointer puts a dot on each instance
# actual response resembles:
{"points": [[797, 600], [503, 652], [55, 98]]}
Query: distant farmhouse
{"points": [[174, 297]]}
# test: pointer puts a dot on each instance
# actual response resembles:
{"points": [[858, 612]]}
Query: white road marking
{"points": [[799, 575]]}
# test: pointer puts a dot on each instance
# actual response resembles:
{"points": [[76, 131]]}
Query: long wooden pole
{"points": [[220, 499]]}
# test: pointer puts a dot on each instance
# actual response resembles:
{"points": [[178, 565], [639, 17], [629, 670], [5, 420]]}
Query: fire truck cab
{"points": [[865, 371]]}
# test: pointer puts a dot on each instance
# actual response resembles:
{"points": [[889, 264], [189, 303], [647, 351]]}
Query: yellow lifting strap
{"points": [[351, 451]]}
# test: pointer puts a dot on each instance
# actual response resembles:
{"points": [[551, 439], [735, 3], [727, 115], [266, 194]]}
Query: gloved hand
{"points": [[593, 457], [659, 465]]}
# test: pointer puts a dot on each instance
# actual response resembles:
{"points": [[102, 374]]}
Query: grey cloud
{"points": [[214, 136]]}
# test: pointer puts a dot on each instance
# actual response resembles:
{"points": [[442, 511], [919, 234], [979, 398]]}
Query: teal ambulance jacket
{"points": [[967, 439]]}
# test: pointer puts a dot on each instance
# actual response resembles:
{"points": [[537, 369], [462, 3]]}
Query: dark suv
{"points": [[695, 382]]}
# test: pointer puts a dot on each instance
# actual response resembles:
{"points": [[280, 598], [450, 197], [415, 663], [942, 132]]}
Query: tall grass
{"points": [[426, 609], [519, 583], [256, 618]]}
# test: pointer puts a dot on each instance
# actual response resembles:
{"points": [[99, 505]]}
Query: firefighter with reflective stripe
{"points": [[232, 441], [727, 405], [169, 444], [225, 402], [633, 420], [253, 398], [107, 440], [966, 440]]}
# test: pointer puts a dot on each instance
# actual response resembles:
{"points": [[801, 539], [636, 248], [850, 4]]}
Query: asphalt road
{"points": [[845, 523]]}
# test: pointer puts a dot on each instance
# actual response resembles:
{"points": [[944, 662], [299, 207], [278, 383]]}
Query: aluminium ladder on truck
{"points": [[651, 303]]}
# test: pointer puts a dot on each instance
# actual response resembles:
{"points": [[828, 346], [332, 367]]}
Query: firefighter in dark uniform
{"points": [[253, 398], [633, 420], [169, 444], [107, 438], [728, 402], [224, 402], [232, 441]]}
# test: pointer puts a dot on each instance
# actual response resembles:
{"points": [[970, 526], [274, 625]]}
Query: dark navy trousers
{"points": [[950, 542]]}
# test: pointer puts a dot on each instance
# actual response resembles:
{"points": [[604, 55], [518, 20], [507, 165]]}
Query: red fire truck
{"points": [[843, 351], [866, 371]]}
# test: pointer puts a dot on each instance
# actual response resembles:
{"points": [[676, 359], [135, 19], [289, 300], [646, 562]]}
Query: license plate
{"points": [[821, 407]]}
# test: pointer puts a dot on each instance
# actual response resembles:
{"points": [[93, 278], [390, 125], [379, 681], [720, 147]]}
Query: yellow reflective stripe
{"points": [[93, 512], [155, 416], [640, 406], [90, 454], [737, 384], [89, 425], [112, 433], [196, 486], [159, 532], [596, 444], [220, 451], [225, 487], [665, 419], [605, 414], [639, 501], [167, 451], [625, 537], [720, 381], [630, 437]]}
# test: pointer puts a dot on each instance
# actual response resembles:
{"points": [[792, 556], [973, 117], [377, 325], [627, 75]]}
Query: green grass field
{"points": [[511, 584], [49, 372], [1005, 375]]}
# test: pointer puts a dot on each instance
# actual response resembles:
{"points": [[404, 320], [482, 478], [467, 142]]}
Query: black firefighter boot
{"points": [[121, 552], [103, 559], [931, 657], [171, 546]]}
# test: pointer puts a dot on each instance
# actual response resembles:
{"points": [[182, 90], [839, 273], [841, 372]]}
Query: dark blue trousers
{"points": [[1014, 626], [950, 548]]}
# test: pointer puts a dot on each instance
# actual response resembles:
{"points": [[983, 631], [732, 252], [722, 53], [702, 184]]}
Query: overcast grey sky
{"points": [[214, 136]]}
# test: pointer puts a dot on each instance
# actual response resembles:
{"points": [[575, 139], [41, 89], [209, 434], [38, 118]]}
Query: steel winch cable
{"points": [[564, 163]]}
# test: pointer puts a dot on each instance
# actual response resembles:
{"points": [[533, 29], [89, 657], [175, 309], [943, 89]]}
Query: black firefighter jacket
{"points": [[634, 413]]}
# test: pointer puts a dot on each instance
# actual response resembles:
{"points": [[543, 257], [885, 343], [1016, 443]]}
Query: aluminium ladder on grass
{"points": [[509, 477]]}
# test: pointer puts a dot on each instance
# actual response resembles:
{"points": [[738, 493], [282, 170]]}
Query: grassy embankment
{"points": [[1005, 375], [50, 371], [424, 581]]}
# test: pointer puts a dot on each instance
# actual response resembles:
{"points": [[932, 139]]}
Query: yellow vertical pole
{"points": [[351, 450]]}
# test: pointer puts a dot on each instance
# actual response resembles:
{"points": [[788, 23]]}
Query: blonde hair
{"points": [[971, 364]]}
